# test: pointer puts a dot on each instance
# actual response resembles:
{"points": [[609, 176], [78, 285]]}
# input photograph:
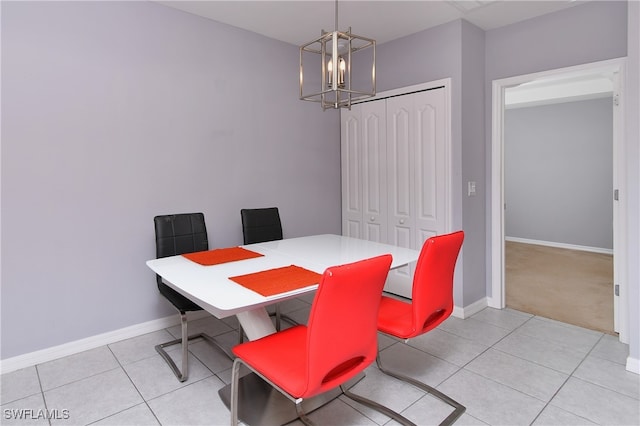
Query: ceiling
{"points": [[300, 21]]}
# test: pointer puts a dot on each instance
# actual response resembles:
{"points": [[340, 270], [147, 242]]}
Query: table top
{"points": [[211, 288]]}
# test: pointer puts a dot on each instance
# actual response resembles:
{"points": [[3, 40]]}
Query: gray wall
{"points": [[454, 50], [558, 175], [472, 160], [594, 31], [113, 112], [590, 32]]}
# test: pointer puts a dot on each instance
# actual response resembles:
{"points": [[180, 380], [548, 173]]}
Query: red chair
{"points": [[339, 341], [431, 304]]}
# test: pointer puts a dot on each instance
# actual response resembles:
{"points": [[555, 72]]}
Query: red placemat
{"points": [[278, 280], [222, 255]]}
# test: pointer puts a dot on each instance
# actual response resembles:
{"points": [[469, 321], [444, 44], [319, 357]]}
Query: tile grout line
{"points": [[44, 400], [584, 356], [503, 384], [460, 368], [535, 362], [496, 342], [134, 386], [567, 379]]}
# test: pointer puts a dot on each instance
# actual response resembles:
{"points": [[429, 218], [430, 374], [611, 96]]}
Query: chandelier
{"points": [[335, 60]]}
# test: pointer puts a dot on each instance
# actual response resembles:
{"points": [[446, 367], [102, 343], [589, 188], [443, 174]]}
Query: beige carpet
{"points": [[566, 285]]}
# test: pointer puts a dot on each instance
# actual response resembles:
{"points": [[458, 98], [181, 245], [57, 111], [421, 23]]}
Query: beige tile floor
{"points": [[505, 366]]}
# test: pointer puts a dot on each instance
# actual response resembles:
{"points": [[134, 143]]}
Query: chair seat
{"points": [[282, 355], [395, 317]]}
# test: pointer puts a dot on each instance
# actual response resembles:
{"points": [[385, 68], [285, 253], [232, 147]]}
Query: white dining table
{"points": [[211, 288]]}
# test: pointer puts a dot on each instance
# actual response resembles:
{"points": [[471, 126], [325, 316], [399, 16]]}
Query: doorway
{"points": [[558, 163], [614, 68]]}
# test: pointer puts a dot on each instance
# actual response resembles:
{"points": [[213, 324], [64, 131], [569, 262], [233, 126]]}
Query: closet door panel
{"points": [[374, 158], [351, 173], [395, 165], [431, 183], [401, 169], [401, 185]]}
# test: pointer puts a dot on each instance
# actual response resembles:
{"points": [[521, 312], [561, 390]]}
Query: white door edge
{"points": [[497, 297]]}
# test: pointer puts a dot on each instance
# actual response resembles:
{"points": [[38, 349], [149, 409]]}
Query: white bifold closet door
{"points": [[394, 173]]}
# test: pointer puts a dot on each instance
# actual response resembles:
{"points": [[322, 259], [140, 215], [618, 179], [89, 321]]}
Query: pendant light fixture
{"points": [[341, 65]]}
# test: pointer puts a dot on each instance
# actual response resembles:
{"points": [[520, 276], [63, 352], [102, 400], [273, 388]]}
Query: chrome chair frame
{"points": [[183, 374], [180, 302], [235, 377], [434, 273], [459, 409]]}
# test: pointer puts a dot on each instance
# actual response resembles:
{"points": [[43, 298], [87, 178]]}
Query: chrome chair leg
{"points": [[302, 415], [185, 348], [235, 385], [280, 316], [458, 409], [233, 405], [184, 342], [377, 406]]}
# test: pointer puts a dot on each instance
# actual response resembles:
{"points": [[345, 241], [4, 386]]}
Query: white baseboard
{"points": [[55, 352], [470, 310], [633, 365], [560, 245]]}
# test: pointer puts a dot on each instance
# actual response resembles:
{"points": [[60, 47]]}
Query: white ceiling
{"points": [[300, 21]]}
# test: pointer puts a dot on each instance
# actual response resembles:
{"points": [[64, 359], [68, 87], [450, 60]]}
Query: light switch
{"points": [[471, 188]]}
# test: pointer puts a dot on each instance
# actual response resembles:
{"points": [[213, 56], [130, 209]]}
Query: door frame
{"points": [[497, 234]]}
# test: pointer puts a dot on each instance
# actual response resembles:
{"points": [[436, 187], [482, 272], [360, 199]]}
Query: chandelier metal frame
{"points": [[336, 88]]}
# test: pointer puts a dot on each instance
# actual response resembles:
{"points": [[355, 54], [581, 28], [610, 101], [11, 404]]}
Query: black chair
{"points": [[179, 234], [259, 226]]}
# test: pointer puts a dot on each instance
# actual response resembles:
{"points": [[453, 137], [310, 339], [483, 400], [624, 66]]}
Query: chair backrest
{"points": [[179, 234], [342, 326], [432, 293], [260, 225]]}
